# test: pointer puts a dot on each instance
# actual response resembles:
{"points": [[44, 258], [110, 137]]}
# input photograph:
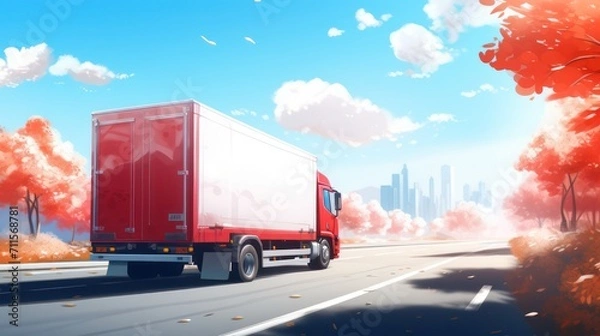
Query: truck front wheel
{"points": [[322, 261], [246, 268]]}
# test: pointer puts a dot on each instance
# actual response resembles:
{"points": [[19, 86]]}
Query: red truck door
{"points": [[165, 175], [113, 179]]}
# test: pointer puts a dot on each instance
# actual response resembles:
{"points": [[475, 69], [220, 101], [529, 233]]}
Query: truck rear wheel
{"points": [[170, 269], [322, 261], [246, 268], [141, 270]]}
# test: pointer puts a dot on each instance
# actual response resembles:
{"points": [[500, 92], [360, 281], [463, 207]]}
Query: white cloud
{"points": [[366, 19], [334, 32], [330, 111], [454, 16], [265, 117], [413, 142], [244, 112], [386, 17], [441, 117], [482, 88], [415, 44], [249, 39], [213, 43], [469, 94], [25, 64], [85, 72], [395, 74]]}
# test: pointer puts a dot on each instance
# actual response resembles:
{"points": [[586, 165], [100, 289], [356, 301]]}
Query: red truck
{"points": [[181, 183]]}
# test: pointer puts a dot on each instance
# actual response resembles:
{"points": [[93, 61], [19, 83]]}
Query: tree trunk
{"points": [[540, 222], [28, 203], [73, 234], [563, 218], [574, 218], [36, 206]]}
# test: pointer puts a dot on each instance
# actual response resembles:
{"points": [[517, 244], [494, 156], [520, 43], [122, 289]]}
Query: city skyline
{"points": [[410, 198]]}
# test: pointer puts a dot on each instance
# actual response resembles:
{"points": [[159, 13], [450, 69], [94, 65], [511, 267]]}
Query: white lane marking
{"points": [[479, 298], [421, 245], [54, 288], [66, 271], [326, 304], [348, 258]]}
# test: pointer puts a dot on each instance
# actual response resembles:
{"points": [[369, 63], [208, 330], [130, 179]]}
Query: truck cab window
{"points": [[327, 200]]}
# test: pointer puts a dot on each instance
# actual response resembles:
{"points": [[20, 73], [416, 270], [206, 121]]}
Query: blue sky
{"points": [[145, 52]]}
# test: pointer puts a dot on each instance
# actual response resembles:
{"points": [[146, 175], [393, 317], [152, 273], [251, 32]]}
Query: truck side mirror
{"points": [[338, 201]]}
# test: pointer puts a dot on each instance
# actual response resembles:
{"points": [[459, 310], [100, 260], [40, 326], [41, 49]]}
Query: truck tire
{"points": [[246, 268], [322, 261], [170, 269], [141, 270]]}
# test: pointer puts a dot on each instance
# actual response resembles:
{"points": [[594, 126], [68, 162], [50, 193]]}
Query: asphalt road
{"points": [[417, 289]]}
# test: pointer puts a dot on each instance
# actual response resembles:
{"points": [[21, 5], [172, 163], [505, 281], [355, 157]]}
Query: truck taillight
{"points": [[190, 249], [165, 249], [112, 249]]}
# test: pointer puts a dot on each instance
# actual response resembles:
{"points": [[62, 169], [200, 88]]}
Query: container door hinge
{"points": [[182, 172]]}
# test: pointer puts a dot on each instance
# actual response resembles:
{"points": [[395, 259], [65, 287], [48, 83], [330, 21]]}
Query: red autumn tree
{"points": [[531, 202], [45, 173], [550, 44]]}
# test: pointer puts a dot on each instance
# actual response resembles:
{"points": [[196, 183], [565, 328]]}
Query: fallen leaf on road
{"points": [[584, 277], [208, 314], [184, 321], [237, 318], [470, 277], [295, 296], [532, 314], [290, 324], [69, 305]]}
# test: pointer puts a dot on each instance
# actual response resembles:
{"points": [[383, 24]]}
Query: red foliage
{"points": [[550, 44], [35, 159], [530, 201]]}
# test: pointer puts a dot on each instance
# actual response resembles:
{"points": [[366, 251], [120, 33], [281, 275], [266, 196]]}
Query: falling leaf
{"points": [[489, 45], [470, 277], [187, 320], [249, 39], [213, 43], [532, 314], [584, 277], [208, 314], [295, 296], [69, 305], [541, 290], [238, 317]]}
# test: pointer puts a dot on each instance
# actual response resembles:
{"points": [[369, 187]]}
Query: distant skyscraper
{"points": [[416, 209], [405, 199], [431, 209], [447, 188], [387, 197], [467, 192], [396, 187]]}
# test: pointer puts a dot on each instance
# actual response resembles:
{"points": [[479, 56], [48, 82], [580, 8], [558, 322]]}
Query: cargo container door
{"points": [[114, 181], [166, 177]]}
